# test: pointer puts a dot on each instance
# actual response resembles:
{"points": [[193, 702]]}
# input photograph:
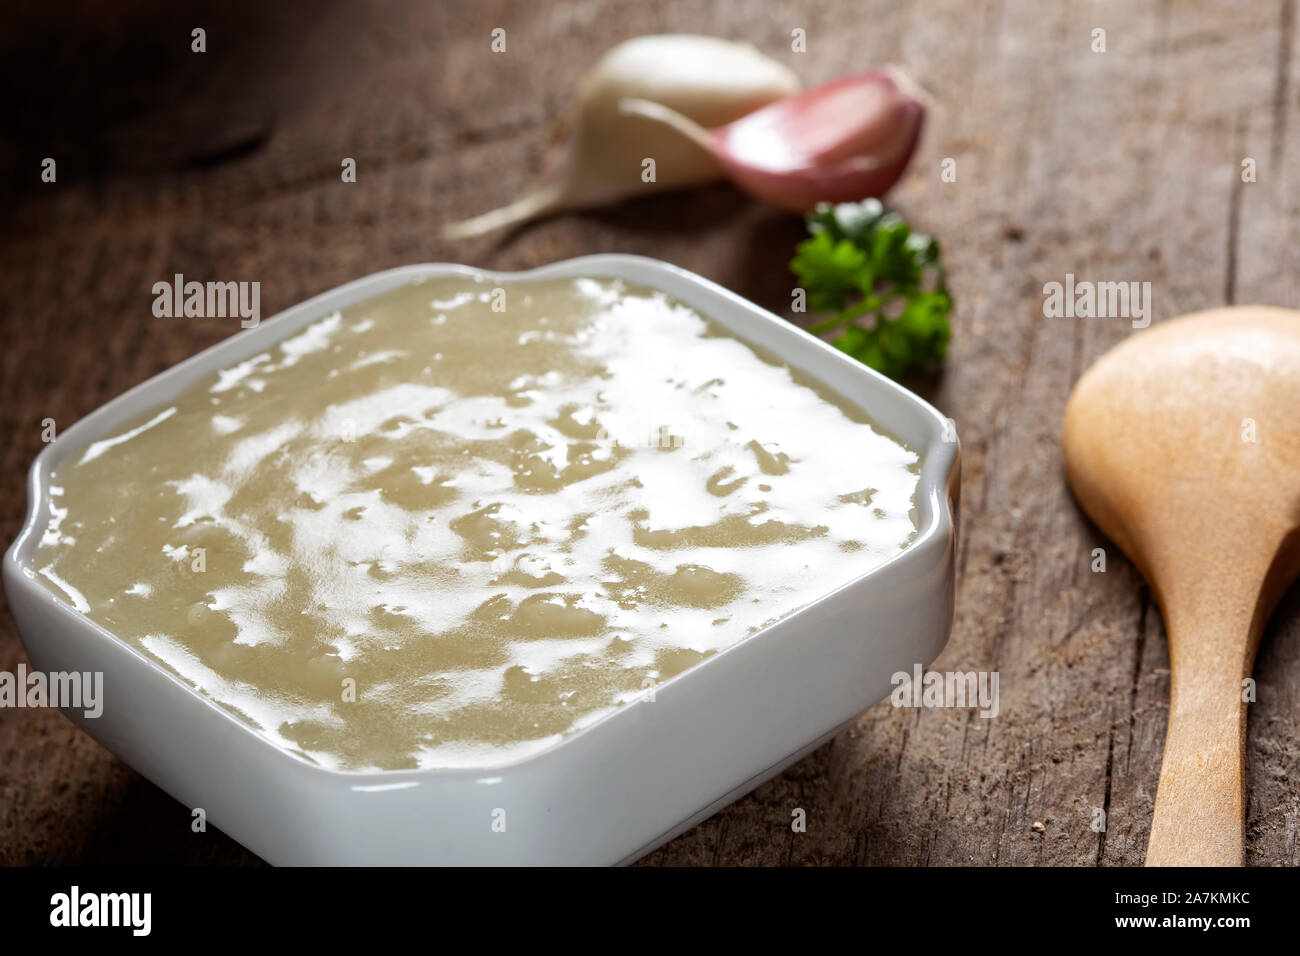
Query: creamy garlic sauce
{"points": [[427, 533]]}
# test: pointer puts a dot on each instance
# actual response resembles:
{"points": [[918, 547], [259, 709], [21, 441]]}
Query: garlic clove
{"points": [[841, 142]]}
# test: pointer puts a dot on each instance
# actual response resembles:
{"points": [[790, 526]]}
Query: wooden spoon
{"points": [[1183, 444]]}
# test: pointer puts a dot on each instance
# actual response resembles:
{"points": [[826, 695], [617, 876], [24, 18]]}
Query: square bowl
{"points": [[607, 793]]}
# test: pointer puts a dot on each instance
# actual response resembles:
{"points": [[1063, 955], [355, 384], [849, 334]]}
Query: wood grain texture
{"points": [[1121, 165]]}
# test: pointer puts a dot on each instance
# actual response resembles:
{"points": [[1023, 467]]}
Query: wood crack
{"points": [[1282, 82]]}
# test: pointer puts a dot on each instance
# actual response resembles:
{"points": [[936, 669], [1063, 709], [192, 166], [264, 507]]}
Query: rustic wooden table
{"points": [[1115, 165]]}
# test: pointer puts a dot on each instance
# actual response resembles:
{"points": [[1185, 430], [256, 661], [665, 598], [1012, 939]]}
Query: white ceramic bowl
{"points": [[613, 790]]}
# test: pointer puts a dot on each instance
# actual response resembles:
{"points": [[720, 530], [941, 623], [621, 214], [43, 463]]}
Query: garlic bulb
{"points": [[708, 81]]}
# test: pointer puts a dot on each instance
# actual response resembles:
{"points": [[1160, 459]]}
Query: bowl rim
{"points": [[937, 485]]}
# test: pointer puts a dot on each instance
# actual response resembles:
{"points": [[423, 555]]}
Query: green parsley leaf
{"points": [[883, 284]]}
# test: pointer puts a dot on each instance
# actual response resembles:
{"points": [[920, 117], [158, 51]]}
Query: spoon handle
{"points": [[1200, 807]]}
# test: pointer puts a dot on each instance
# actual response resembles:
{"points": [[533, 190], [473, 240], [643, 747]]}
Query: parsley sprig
{"points": [[883, 283]]}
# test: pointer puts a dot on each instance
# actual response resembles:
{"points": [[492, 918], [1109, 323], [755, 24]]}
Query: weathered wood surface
{"points": [[1122, 165]]}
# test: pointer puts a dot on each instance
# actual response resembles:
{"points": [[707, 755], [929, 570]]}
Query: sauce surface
{"points": [[451, 524]]}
